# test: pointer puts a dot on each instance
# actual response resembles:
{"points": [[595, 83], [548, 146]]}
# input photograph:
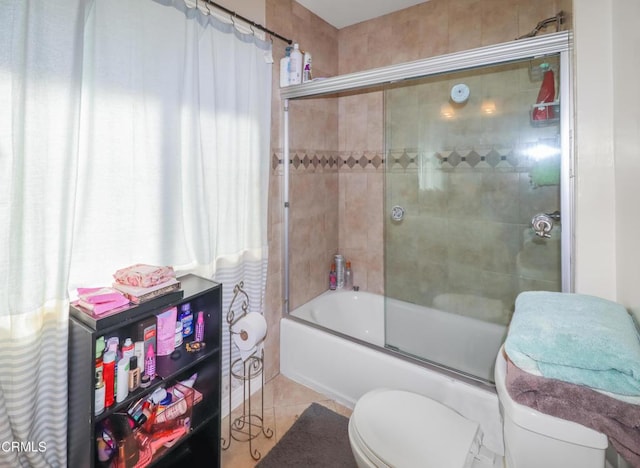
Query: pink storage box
{"points": [[166, 331]]}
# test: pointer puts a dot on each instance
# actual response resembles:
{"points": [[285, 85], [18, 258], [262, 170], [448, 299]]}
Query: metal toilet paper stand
{"points": [[248, 425]]}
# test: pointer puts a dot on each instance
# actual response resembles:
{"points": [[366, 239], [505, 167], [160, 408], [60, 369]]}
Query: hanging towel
{"points": [[546, 172], [576, 338]]}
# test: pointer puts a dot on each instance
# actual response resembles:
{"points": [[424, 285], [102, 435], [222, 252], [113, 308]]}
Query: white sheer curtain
{"points": [[40, 70], [174, 141], [134, 131]]}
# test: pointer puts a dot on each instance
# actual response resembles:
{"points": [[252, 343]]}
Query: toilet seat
{"points": [[403, 429]]}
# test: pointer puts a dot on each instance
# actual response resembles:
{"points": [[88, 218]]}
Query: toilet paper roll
{"points": [[248, 333]]}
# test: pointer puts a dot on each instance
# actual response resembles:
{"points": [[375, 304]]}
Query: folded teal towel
{"points": [[576, 338]]}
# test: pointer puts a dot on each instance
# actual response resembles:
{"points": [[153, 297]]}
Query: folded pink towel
{"points": [[100, 300], [144, 276]]}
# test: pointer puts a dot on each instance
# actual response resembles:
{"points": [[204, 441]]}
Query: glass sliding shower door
{"points": [[473, 159]]}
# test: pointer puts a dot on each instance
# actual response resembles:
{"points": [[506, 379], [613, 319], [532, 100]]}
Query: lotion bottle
{"points": [[284, 68], [348, 277], [295, 66], [306, 68], [122, 380]]}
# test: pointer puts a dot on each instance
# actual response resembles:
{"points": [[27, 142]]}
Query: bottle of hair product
{"points": [[128, 348], [348, 277], [109, 375], [332, 277], [200, 327], [339, 261], [295, 66], [122, 380], [186, 317], [306, 68]]}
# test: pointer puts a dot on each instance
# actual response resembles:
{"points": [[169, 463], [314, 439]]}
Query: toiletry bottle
{"points": [[99, 398], [332, 277], [295, 66], [306, 68], [122, 379], [546, 95], [128, 348], [284, 68], [100, 345], [200, 327], [178, 335], [348, 277], [339, 261], [186, 317], [99, 391], [109, 375], [134, 374], [150, 363]]}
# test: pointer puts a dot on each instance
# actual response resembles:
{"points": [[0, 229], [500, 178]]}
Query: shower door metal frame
{"points": [[548, 44]]}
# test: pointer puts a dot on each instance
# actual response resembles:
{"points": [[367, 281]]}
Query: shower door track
{"points": [[555, 43]]}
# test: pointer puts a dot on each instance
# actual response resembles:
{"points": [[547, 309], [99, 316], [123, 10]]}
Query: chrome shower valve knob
{"points": [[397, 213]]}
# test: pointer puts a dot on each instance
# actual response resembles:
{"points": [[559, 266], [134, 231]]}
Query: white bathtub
{"points": [[344, 369], [462, 343]]}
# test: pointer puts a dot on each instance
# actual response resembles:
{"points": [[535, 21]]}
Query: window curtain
{"points": [[130, 131], [40, 77]]}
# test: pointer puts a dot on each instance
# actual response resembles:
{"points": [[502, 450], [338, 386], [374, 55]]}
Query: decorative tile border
{"points": [[484, 158], [328, 161]]}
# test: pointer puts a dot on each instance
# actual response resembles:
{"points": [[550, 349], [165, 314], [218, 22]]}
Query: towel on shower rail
{"points": [[576, 338], [618, 420]]}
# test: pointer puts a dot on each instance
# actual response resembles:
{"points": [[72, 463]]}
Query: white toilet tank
{"points": [[536, 440]]}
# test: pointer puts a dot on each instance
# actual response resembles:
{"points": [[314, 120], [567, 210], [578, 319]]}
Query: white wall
{"points": [[595, 255], [607, 150], [251, 9], [626, 134]]}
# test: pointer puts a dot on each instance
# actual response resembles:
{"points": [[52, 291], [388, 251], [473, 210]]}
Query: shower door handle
{"points": [[397, 213]]}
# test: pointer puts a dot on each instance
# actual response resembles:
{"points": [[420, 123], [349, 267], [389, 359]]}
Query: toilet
{"points": [[401, 429]]}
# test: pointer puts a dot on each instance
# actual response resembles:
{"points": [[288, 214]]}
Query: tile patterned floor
{"points": [[284, 401]]}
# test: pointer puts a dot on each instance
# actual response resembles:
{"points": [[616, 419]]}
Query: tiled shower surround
{"points": [[338, 206]]}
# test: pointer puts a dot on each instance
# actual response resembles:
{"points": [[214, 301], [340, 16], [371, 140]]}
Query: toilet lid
{"points": [[404, 429]]}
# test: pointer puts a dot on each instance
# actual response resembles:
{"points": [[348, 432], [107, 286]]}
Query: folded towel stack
{"points": [[577, 357], [576, 338], [100, 300]]}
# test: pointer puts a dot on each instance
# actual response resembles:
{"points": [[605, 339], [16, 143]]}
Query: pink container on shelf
{"points": [[166, 322]]}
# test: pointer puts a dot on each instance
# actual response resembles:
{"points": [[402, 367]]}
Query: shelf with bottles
{"points": [[545, 114], [152, 426], [187, 349], [162, 349]]}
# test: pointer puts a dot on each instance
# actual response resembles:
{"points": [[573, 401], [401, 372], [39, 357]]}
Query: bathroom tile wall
{"points": [[462, 172], [337, 207], [313, 192], [428, 29]]}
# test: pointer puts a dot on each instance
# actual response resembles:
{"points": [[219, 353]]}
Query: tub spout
{"points": [[356, 288]]}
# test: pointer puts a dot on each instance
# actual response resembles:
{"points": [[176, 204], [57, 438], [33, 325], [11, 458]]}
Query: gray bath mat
{"points": [[318, 439]]}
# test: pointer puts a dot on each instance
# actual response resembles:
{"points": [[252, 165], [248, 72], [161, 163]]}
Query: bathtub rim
{"points": [[429, 365]]}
